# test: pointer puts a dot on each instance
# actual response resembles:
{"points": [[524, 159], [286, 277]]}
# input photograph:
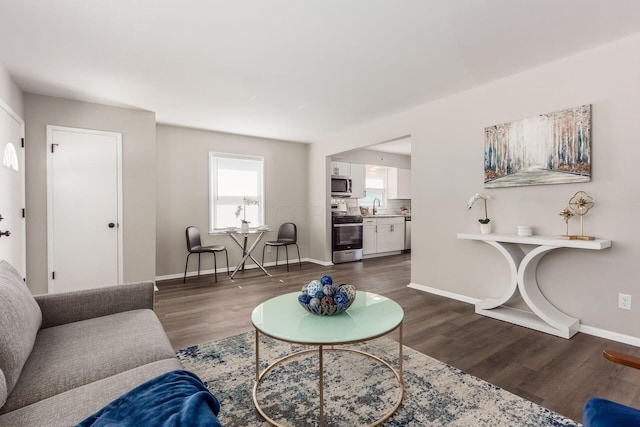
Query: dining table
{"points": [[241, 238]]}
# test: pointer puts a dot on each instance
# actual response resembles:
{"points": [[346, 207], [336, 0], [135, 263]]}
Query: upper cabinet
{"points": [[341, 168], [358, 173], [399, 183]]}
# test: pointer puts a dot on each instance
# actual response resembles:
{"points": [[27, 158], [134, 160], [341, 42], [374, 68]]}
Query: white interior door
{"points": [[12, 247], [84, 208]]}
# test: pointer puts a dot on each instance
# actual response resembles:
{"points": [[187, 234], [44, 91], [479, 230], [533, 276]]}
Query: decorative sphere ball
{"points": [[329, 290], [326, 280], [304, 298], [349, 290], [327, 302], [314, 303], [313, 287], [326, 299], [341, 298]]}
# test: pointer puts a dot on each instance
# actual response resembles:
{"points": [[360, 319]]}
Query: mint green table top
{"points": [[370, 316]]}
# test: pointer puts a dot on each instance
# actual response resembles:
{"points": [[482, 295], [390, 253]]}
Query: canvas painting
{"points": [[552, 148]]}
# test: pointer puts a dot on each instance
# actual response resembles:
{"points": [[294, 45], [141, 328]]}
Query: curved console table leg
{"points": [[514, 255], [564, 326], [542, 316]]}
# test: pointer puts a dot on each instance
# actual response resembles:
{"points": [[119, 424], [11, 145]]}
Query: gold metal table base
{"points": [[321, 349]]}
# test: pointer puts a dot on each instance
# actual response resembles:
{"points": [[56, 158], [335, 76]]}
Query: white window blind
{"points": [[236, 190], [375, 186]]}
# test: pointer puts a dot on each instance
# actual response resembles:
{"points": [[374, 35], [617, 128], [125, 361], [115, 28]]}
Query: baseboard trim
{"points": [[322, 263], [613, 336], [442, 293], [195, 273], [585, 329], [231, 267]]}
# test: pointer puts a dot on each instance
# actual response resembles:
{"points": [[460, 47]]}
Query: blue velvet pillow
{"points": [[604, 413], [177, 398]]}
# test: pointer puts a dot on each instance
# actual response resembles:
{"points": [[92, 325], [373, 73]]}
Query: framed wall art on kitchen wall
{"points": [[552, 148]]}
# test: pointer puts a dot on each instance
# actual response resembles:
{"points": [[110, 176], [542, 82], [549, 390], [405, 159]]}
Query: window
{"points": [[236, 190], [375, 186]]}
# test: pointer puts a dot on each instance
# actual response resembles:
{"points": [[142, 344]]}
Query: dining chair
{"points": [[287, 235], [194, 246]]}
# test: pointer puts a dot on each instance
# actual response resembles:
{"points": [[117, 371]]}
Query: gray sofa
{"points": [[64, 356]]}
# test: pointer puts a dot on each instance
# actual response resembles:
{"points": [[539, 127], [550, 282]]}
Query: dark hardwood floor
{"points": [[556, 373]]}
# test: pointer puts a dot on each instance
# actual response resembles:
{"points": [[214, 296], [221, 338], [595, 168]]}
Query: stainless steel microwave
{"points": [[341, 186]]}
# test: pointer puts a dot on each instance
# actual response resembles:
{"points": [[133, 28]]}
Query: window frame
{"points": [[213, 179], [384, 190]]}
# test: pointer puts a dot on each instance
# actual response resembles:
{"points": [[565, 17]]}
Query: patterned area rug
{"points": [[358, 390]]}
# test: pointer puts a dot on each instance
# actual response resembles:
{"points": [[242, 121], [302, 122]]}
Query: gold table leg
{"points": [[321, 374], [396, 373]]}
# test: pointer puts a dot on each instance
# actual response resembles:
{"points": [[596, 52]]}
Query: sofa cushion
{"points": [[79, 353], [73, 406], [20, 319]]}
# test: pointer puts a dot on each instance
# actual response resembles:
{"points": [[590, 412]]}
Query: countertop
{"points": [[386, 216]]}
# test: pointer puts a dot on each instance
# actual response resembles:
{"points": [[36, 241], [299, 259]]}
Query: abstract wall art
{"points": [[552, 148]]}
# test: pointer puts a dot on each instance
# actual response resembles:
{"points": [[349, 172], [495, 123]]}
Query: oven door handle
{"points": [[348, 225]]}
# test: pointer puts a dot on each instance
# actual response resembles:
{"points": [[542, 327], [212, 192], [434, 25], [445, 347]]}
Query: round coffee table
{"points": [[370, 316]]}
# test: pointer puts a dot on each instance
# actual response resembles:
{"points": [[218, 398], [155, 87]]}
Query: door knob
{"points": [[111, 225]]}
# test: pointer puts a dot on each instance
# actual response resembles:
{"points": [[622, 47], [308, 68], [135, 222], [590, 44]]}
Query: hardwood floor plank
{"points": [[557, 373]]}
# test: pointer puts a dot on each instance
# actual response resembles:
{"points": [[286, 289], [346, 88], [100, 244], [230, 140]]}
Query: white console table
{"points": [[544, 316]]}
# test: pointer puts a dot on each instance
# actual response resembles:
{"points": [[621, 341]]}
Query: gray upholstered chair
{"points": [[287, 235], [194, 246]]}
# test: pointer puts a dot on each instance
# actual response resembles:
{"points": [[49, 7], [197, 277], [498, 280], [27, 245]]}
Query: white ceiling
{"points": [[290, 69]]}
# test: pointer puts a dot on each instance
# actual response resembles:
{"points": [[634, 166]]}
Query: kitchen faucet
{"points": [[374, 205]]}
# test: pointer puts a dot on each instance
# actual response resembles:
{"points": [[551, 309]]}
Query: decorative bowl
{"points": [[323, 298]]}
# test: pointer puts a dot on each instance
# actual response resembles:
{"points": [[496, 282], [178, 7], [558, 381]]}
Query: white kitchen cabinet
{"points": [[382, 235], [368, 236], [398, 183], [358, 172], [341, 168], [390, 234]]}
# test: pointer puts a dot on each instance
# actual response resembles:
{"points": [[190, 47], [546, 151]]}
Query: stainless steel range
{"points": [[346, 238]]}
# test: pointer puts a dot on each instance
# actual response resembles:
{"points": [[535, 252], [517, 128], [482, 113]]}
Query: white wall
{"points": [[447, 159], [183, 192], [12, 248], [10, 93], [372, 157], [139, 179]]}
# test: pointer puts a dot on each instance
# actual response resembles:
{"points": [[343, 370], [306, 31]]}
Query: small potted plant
{"points": [[485, 227], [246, 201]]}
